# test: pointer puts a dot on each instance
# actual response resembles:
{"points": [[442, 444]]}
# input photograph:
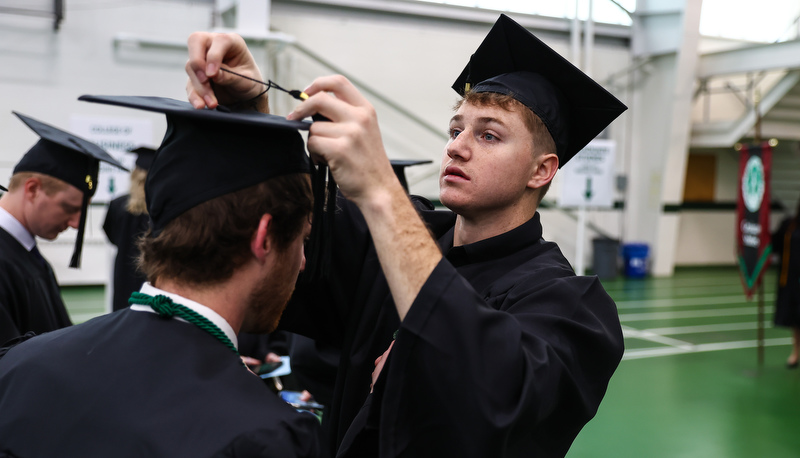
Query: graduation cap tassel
{"points": [[75, 262], [314, 252], [329, 218]]}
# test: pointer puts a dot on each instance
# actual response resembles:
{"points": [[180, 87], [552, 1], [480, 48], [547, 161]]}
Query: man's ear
{"points": [[261, 243], [32, 186], [546, 168]]}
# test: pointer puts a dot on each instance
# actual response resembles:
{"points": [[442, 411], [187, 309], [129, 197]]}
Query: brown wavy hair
{"points": [[208, 243]]}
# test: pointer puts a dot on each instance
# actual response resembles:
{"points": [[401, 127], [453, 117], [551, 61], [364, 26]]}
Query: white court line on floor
{"points": [[645, 334], [708, 328], [682, 291], [656, 284], [640, 353], [627, 317], [690, 301]]}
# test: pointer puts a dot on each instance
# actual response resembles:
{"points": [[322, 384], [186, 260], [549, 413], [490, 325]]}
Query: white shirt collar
{"points": [[16, 229], [210, 314]]}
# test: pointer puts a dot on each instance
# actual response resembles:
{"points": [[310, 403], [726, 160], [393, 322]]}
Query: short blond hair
{"points": [[50, 185], [136, 202]]}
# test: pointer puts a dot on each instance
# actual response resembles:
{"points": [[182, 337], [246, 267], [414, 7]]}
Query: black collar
{"points": [[494, 247]]}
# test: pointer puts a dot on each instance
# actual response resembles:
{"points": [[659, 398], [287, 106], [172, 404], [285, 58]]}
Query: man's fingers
{"points": [[199, 90], [194, 98], [199, 44], [340, 86], [325, 104], [250, 361]]}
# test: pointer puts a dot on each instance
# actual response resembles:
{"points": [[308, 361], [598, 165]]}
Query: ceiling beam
{"points": [[773, 56]]}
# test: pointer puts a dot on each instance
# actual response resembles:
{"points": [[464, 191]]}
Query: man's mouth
{"points": [[452, 173]]}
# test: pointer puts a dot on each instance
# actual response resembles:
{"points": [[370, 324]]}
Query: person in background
{"points": [[230, 200], [49, 191], [126, 221], [500, 349], [786, 244]]}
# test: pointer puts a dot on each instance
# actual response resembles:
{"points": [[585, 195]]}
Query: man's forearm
{"points": [[406, 250]]}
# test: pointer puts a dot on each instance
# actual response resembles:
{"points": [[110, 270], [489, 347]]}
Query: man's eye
{"points": [[453, 133]]}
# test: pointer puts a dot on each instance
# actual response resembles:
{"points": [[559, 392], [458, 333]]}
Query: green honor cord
{"points": [[166, 308]]}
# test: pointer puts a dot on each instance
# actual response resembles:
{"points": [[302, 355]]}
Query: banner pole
{"points": [[760, 307], [760, 338]]}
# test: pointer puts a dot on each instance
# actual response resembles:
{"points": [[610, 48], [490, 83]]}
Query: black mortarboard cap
{"points": [[399, 166], [144, 156], [69, 158], [209, 153], [511, 61]]}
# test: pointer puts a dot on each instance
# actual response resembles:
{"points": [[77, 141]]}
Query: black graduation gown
{"points": [[505, 351], [786, 244], [134, 384], [123, 229], [30, 298]]}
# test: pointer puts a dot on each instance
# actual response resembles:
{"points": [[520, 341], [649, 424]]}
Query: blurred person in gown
{"points": [[126, 221], [786, 244]]}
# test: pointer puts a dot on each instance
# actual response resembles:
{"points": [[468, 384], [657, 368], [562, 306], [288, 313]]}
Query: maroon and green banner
{"points": [[752, 214]]}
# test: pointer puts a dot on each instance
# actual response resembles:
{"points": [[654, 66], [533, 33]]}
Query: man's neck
{"points": [[227, 298], [12, 203], [471, 229]]}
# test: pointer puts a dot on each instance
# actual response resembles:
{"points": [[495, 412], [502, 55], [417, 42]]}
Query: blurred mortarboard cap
{"points": [[399, 166], [69, 158], [144, 156], [209, 153], [2, 188], [511, 61]]}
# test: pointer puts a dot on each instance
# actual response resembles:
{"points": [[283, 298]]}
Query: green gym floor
{"points": [[689, 384]]}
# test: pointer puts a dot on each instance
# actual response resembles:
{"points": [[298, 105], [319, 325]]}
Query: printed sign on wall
{"points": [[117, 136], [588, 178]]}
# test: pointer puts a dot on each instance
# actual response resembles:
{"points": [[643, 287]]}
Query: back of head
{"points": [[209, 242], [215, 174]]}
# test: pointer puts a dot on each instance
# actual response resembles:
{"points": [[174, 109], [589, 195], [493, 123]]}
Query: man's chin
{"points": [[259, 327]]}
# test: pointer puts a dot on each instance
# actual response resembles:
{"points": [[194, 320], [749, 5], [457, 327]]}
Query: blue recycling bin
{"points": [[635, 256]]}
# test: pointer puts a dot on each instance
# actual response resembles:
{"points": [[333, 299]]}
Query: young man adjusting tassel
{"points": [[500, 349]]}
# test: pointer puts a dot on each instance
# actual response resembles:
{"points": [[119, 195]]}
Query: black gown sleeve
{"points": [[300, 438], [465, 379], [8, 330], [110, 226], [9, 299]]}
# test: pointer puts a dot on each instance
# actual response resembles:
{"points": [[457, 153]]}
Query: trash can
{"points": [[605, 252], [635, 256]]}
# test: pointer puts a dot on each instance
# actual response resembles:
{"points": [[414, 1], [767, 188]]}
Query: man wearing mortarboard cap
{"points": [[163, 378], [48, 192], [126, 221], [500, 350]]}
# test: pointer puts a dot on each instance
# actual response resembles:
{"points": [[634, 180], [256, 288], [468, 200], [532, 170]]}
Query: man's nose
{"points": [[74, 220], [459, 147]]}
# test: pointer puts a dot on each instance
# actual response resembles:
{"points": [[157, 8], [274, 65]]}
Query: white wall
{"points": [[410, 60], [44, 72]]}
